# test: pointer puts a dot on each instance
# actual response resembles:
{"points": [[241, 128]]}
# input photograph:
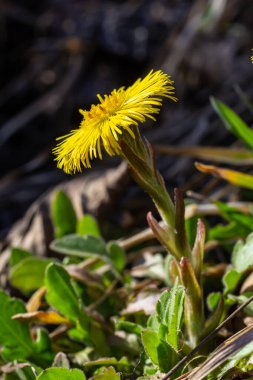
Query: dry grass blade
{"points": [[224, 351], [225, 155]]}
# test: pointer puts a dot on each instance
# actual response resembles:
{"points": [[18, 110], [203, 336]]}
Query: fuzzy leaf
{"points": [[169, 312], [80, 246], [159, 351]]}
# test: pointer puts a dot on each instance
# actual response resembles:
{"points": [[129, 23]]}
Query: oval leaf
{"points": [[60, 293], [63, 215], [88, 226], [61, 374], [29, 273]]}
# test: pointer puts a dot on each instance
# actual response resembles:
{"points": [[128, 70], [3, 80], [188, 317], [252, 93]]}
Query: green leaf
{"points": [[191, 229], [231, 280], [232, 230], [242, 256], [14, 336], [55, 373], [98, 339], [233, 122], [18, 255], [130, 327], [43, 347], [213, 300], [240, 224], [88, 225], [153, 322], [159, 351], [80, 246], [234, 215], [60, 292], [107, 374], [121, 365], [29, 273], [169, 312], [117, 255], [84, 247], [63, 215]]}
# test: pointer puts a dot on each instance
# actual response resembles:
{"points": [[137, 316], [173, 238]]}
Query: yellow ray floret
{"points": [[103, 124]]}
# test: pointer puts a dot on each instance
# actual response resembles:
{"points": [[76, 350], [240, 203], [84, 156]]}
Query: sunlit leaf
{"points": [[17, 255], [231, 280], [88, 225], [63, 215], [107, 374], [159, 351], [232, 176], [60, 293], [55, 373], [29, 273]]}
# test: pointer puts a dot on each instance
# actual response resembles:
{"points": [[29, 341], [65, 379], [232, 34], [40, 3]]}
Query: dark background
{"points": [[57, 55]]}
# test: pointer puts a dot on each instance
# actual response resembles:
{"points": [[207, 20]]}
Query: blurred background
{"points": [[56, 55]]}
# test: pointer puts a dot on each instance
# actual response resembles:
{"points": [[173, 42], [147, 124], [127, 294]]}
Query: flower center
{"points": [[108, 106]]}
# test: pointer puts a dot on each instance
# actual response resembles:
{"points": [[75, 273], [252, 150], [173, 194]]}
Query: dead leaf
{"points": [[145, 302], [44, 317], [34, 302]]}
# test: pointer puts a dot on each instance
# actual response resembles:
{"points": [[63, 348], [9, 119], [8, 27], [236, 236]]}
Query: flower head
{"points": [[106, 121]]}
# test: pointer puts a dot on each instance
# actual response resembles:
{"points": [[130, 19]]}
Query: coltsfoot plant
{"points": [[89, 315]]}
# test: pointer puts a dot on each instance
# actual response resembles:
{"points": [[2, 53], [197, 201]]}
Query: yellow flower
{"points": [[105, 122]]}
